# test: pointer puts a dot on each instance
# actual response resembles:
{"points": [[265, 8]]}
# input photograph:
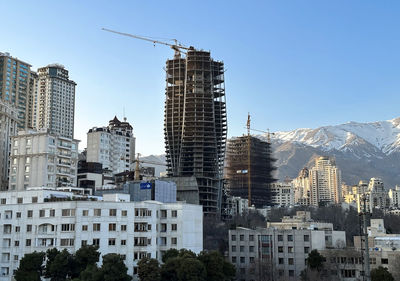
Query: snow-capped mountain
{"points": [[362, 150]]}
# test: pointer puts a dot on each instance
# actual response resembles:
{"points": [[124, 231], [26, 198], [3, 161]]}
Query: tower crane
{"points": [[177, 47], [249, 153]]}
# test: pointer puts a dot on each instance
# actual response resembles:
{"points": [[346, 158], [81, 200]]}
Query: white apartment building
{"points": [[280, 249], [325, 182], [36, 220], [8, 128], [112, 146], [39, 158], [375, 198], [394, 196], [301, 186], [54, 105], [282, 194]]}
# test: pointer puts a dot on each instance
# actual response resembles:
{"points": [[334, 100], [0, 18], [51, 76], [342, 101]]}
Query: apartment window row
{"points": [[3, 201], [250, 237]]}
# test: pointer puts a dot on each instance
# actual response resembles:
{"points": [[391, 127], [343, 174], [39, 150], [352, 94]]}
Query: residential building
{"points": [[325, 182], [112, 146], [38, 220], [376, 197], [282, 194], [90, 175], [394, 196], [54, 103], [15, 86], [195, 126], [39, 158], [301, 186], [8, 128], [282, 248], [249, 167]]}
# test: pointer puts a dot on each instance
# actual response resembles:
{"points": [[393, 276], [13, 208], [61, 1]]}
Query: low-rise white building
{"points": [[39, 158], [36, 220]]}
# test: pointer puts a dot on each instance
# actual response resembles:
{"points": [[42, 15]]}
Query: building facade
{"points": [[37, 220], [39, 158], [54, 103], [8, 128], [112, 146], [280, 250], [15, 86], [195, 124], [282, 194], [325, 182]]}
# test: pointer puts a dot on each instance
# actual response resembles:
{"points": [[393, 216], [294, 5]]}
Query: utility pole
{"points": [[364, 214]]}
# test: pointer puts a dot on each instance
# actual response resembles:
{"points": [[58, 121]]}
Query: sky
{"points": [[291, 64]]}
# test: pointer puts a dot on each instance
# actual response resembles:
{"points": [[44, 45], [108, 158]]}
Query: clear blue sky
{"points": [[290, 63]]}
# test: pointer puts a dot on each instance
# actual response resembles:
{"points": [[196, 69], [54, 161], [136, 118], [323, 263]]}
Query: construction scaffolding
{"points": [[195, 124], [249, 168]]}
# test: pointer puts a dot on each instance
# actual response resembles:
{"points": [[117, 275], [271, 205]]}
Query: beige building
{"points": [[41, 159], [282, 194], [281, 249], [301, 186], [376, 197]]}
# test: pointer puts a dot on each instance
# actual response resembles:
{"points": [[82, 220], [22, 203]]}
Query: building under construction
{"points": [[256, 172], [195, 126]]}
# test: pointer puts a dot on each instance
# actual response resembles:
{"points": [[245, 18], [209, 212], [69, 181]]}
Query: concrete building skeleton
{"points": [[195, 126]]}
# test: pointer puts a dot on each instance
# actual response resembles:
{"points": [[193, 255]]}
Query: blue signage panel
{"points": [[145, 185]]}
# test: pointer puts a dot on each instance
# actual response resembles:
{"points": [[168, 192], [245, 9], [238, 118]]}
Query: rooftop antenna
{"points": [[123, 109]]}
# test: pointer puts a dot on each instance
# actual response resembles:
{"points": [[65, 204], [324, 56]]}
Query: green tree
{"points": [[381, 274], [91, 273], [169, 270], [149, 270], [50, 256], [30, 267], [171, 253], [61, 267], [315, 261], [218, 269], [191, 269], [114, 269], [85, 256]]}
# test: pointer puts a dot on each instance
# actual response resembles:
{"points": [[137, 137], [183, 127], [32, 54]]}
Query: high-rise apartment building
{"points": [[112, 146], [54, 104], [195, 124], [41, 159], [325, 182], [15, 86], [8, 128], [256, 172]]}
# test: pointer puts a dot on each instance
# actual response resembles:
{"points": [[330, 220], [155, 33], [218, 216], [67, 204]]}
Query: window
{"points": [[280, 237], [384, 261], [67, 242], [28, 242], [96, 227], [85, 227], [233, 259], [97, 212], [280, 249], [281, 261], [251, 249], [19, 200], [290, 238], [85, 213], [306, 238], [241, 237], [34, 199], [124, 213], [123, 242], [17, 229], [30, 213], [242, 248], [233, 248], [290, 249], [68, 212], [41, 213], [242, 259], [233, 237], [163, 214], [28, 228], [113, 212], [18, 214], [123, 227], [174, 227], [252, 260], [290, 261], [174, 213], [52, 213], [16, 243], [111, 242], [68, 227], [174, 240], [291, 273], [251, 237], [83, 243], [306, 250], [112, 227], [96, 242]]}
